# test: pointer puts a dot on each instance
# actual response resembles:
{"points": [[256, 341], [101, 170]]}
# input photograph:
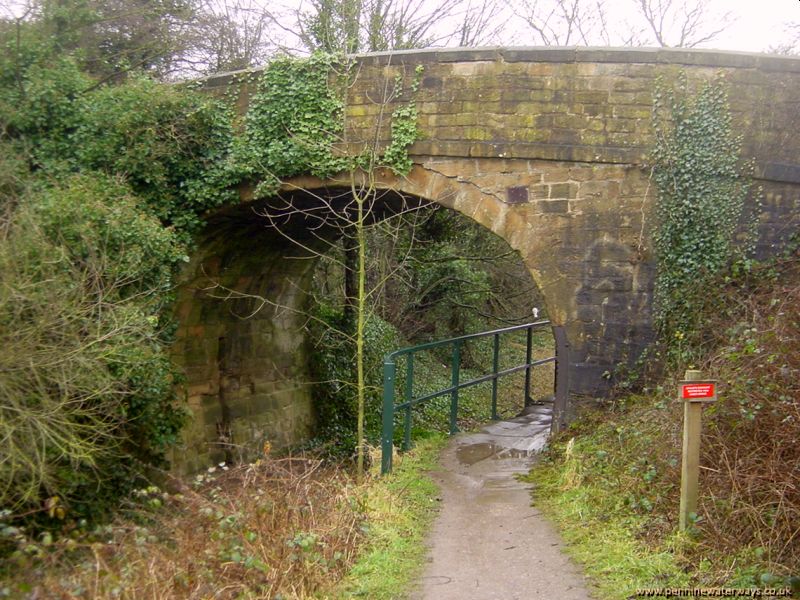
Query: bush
{"points": [[753, 496], [168, 143], [100, 188], [86, 382]]}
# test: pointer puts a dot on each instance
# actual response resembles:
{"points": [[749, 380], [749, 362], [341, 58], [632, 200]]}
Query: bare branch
{"points": [[682, 24], [564, 22], [791, 42]]}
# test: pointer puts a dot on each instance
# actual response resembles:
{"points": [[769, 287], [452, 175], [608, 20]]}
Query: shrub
{"points": [[86, 382]]}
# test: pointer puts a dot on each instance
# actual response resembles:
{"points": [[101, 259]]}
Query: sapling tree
{"points": [[345, 220]]}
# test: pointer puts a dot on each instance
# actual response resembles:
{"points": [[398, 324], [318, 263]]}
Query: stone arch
{"points": [[243, 359], [581, 231], [488, 208], [242, 305], [548, 148], [545, 147]]}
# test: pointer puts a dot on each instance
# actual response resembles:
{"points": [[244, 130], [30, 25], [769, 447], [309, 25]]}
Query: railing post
{"points": [[495, 369], [562, 380], [387, 437], [409, 396], [454, 371], [528, 353]]}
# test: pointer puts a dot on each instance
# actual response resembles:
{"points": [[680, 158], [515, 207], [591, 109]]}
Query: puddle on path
{"points": [[487, 541], [470, 454], [473, 453]]}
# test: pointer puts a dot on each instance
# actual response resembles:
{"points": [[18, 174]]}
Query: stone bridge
{"points": [[545, 147]]}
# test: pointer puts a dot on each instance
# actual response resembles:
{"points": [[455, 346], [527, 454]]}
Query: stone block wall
{"points": [[589, 105], [241, 343], [562, 136], [547, 147]]}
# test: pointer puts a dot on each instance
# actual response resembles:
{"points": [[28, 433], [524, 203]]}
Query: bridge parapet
{"points": [[572, 104]]}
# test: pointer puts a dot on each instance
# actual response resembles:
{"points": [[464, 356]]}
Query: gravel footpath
{"points": [[487, 541]]}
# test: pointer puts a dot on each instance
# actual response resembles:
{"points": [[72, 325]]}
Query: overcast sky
{"points": [[759, 23], [756, 25]]}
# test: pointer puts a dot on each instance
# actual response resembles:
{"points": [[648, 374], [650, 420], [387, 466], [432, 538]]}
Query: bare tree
{"points": [[678, 23], [350, 26], [480, 24], [229, 35], [564, 22], [404, 24], [681, 23], [791, 42]]}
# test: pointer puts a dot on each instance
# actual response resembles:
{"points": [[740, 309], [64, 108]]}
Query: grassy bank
{"points": [[400, 509], [588, 484], [612, 481], [277, 528]]}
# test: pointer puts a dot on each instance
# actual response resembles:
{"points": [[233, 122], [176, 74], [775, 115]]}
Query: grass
{"points": [[612, 480], [277, 528], [611, 484], [602, 530], [475, 402], [399, 508]]}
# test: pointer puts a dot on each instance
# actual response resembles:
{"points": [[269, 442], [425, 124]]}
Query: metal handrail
{"points": [[390, 373]]}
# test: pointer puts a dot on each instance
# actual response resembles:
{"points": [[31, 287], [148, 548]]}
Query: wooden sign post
{"points": [[694, 391]]}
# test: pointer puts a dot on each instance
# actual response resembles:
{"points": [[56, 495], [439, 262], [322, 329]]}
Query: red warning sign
{"points": [[698, 391]]}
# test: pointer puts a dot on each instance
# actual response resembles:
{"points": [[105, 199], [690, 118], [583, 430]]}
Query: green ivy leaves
{"points": [[702, 187], [292, 123], [296, 118], [404, 131]]}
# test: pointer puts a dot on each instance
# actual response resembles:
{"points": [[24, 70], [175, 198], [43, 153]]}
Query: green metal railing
{"points": [[409, 402]]}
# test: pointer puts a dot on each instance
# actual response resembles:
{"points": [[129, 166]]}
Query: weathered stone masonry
{"points": [[545, 147]]}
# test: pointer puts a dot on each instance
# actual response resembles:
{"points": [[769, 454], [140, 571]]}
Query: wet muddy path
{"points": [[488, 541]]}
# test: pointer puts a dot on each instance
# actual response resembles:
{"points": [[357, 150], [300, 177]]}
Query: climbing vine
{"points": [[292, 123], [702, 187], [295, 119], [404, 129]]}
